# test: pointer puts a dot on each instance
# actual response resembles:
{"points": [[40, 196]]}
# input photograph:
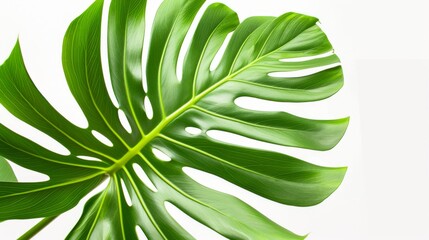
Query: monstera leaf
{"points": [[200, 99]]}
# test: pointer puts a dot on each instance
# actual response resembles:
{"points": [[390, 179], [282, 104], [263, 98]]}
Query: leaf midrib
{"points": [[157, 130], [167, 120]]}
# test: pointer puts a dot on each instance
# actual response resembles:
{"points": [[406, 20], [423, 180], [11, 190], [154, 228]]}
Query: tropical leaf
{"points": [[201, 98]]}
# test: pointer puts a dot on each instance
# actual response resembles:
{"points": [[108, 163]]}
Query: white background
{"points": [[384, 48]]}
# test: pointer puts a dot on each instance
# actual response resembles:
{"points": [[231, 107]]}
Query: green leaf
{"points": [[260, 47], [6, 172]]}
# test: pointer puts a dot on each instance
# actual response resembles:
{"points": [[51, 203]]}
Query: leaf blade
{"points": [[47, 199], [125, 47], [6, 171]]}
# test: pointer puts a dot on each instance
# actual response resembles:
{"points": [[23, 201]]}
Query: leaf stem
{"points": [[37, 228]]}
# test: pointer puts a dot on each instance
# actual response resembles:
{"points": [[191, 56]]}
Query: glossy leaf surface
{"points": [[140, 179]]}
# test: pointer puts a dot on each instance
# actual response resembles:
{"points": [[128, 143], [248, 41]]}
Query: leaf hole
{"points": [[88, 158], [239, 140], [302, 73], [148, 108], [140, 233], [218, 57], [143, 177], [144, 80], [161, 155], [257, 104], [147, 39], [330, 108], [195, 228], [193, 130], [232, 138], [31, 133], [26, 175], [124, 121], [126, 194], [105, 56], [302, 59], [211, 181], [103, 139]]}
